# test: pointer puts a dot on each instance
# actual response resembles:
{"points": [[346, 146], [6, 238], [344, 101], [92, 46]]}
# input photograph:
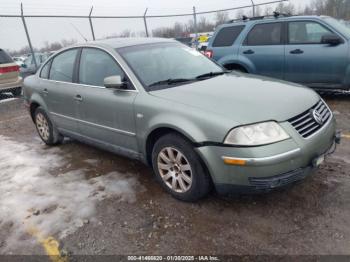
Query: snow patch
{"points": [[32, 194]]}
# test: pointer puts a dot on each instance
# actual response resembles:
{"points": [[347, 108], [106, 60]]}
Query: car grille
{"points": [[307, 124], [279, 181]]}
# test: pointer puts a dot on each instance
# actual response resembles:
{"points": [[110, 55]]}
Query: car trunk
{"points": [[9, 70]]}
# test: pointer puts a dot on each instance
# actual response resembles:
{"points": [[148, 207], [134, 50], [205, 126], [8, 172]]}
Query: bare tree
{"points": [[221, 18]]}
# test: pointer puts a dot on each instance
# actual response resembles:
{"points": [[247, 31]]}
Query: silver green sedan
{"points": [[197, 125]]}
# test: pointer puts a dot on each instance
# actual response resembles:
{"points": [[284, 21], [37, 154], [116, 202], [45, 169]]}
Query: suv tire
{"points": [[179, 169]]}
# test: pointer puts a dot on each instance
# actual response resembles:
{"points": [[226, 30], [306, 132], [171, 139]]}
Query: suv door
{"points": [[106, 115], [310, 62], [263, 48], [58, 89]]}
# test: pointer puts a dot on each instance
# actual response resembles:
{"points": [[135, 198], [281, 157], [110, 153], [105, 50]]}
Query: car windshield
{"points": [[165, 65], [341, 27]]}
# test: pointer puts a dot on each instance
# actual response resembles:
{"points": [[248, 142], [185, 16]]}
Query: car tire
{"points": [[47, 132], [17, 92], [179, 168]]}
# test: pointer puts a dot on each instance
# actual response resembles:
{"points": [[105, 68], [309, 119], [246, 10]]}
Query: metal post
{"points": [[28, 38], [91, 26], [145, 21], [195, 26], [253, 6]]}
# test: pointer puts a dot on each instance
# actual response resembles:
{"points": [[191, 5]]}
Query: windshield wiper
{"points": [[170, 81], [211, 74]]}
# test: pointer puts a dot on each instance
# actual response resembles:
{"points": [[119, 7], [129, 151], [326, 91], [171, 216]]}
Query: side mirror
{"points": [[114, 82], [331, 39]]}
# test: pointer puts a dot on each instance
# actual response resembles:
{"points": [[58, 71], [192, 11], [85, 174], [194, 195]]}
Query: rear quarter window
{"points": [[227, 36], [4, 57]]}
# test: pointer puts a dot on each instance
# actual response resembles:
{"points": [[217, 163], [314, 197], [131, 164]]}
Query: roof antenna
{"points": [[76, 29]]}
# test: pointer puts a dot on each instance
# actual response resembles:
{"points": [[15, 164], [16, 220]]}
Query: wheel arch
{"points": [[157, 133]]}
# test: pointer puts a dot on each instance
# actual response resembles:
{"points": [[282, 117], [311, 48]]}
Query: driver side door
{"points": [[105, 115], [309, 61]]}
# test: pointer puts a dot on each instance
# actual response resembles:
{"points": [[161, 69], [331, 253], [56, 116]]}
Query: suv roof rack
{"points": [[246, 18]]}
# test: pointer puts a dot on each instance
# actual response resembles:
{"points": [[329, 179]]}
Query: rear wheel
{"points": [[47, 132], [179, 168]]}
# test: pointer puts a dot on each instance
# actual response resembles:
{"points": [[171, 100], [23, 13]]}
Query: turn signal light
{"points": [[235, 162]]}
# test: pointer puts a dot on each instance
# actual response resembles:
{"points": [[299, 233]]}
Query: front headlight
{"points": [[256, 134]]}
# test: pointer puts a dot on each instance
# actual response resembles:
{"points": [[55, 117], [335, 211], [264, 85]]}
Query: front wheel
{"points": [[179, 168], [45, 129]]}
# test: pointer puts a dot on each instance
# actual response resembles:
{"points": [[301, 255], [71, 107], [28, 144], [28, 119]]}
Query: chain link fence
{"points": [[34, 30]]}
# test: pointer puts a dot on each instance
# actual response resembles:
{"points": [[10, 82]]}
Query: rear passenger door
{"points": [[263, 49], [58, 89]]}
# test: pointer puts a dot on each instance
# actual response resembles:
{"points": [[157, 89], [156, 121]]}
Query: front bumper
{"points": [[267, 167]]}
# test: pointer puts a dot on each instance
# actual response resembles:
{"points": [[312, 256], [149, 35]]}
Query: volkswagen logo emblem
{"points": [[317, 116]]}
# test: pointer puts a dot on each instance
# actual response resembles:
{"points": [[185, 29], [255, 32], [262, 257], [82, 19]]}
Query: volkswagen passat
{"points": [[196, 124]]}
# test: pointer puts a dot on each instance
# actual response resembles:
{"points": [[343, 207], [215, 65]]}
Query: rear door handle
{"points": [[45, 91], [249, 52], [78, 98], [297, 52]]}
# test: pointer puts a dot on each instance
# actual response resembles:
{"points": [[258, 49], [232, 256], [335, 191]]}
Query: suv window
{"points": [[63, 65], [95, 66], [265, 34], [306, 32], [4, 57], [227, 36]]}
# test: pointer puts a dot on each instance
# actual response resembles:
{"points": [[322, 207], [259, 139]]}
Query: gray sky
{"points": [[12, 34]]}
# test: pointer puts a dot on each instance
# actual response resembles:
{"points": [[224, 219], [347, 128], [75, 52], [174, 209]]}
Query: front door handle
{"points": [[297, 52], [78, 98], [249, 52], [45, 91]]}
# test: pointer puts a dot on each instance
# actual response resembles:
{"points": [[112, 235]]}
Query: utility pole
{"points": [[195, 26], [91, 26], [253, 6], [145, 22], [28, 38]]}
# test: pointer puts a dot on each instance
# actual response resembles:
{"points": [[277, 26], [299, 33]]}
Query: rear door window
{"points": [[227, 36], [45, 71], [4, 57], [63, 65], [265, 34]]}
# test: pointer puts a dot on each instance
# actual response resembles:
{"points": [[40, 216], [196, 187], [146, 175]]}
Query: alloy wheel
{"points": [[174, 169], [42, 126]]}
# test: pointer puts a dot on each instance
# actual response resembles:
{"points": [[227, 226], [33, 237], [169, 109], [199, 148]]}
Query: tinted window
{"points": [[227, 36], [45, 71], [95, 66], [63, 65], [4, 57], [265, 34], [306, 33]]}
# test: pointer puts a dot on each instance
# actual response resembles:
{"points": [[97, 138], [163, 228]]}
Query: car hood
{"points": [[243, 98]]}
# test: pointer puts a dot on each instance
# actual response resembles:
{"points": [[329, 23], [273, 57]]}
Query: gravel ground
{"points": [[309, 218]]}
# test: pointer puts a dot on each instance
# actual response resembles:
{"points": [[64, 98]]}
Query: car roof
{"points": [[132, 41]]}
